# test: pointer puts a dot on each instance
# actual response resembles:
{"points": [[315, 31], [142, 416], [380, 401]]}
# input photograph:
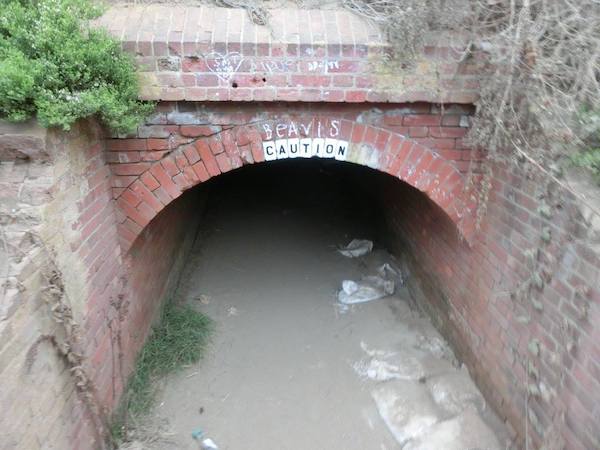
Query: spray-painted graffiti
{"points": [[273, 66], [293, 129], [225, 66], [323, 66]]}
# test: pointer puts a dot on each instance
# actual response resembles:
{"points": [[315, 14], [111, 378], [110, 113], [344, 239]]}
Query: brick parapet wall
{"points": [[218, 54]]}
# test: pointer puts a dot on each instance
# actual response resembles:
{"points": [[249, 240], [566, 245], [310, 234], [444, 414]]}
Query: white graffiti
{"points": [[292, 129], [273, 66], [323, 66], [224, 66]]}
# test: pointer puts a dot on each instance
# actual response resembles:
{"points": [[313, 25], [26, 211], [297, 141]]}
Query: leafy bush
{"points": [[53, 66], [589, 133], [589, 159]]}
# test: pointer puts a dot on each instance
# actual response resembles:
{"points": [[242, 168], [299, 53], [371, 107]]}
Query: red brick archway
{"points": [[200, 155]]}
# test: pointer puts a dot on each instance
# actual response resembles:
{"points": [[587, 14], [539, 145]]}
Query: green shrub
{"points": [[55, 67], [589, 159], [589, 133]]}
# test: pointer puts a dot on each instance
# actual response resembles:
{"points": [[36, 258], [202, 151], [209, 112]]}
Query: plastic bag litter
{"points": [[209, 444], [356, 248], [368, 289], [372, 287], [388, 271]]}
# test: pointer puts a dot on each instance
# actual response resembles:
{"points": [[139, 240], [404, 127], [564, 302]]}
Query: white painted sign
{"points": [[305, 148]]}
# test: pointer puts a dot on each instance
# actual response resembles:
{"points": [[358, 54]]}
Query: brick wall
{"points": [[473, 287], [52, 199], [155, 263], [57, 213], [62, 187], [218, 54], [519, 298], [184, 145], [545, 341]]}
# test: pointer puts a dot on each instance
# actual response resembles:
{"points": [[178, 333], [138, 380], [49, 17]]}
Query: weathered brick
{"points": [[208, 158]]}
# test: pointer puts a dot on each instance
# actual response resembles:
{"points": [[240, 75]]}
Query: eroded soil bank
{"points": [[289, 368]]}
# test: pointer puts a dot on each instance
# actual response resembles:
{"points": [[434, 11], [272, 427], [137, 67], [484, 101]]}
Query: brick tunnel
{"points": [[308, 129], [150, 172]]}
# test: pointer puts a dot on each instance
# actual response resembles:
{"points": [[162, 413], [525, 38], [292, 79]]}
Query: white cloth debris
{"points": [[356, 248]]}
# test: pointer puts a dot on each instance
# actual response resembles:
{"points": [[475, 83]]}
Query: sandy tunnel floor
{"points": [[288, 368]]}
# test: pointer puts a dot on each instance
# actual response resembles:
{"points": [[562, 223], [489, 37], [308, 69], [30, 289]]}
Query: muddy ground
{"points": [[289, 367]]}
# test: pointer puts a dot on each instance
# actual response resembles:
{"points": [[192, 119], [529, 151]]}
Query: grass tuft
{"points": [[180, 339]]}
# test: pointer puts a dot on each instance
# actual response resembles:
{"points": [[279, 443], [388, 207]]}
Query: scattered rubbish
{"points": [[356, 248], [203, 298], [436, 346], [197, 434], [466, 430], [390, 272], [369, 288], [455, 392], [193, 374], [400, 363], [340, 308], [374, 352], [377, 370], [424, 400], [382, 366], [209, 444], [232, 311], [205, 444], [407, 409]]}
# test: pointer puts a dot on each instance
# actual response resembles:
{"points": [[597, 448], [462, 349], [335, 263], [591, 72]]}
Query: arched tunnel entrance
{"points": [[290, 366]]}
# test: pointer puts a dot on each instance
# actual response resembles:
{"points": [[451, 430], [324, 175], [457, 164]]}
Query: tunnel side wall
{"points": [[155, 264], [58, 234], [515, 333], [59, 257]]}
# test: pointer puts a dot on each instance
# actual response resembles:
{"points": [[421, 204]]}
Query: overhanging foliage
{"points": [[54, 67]]}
